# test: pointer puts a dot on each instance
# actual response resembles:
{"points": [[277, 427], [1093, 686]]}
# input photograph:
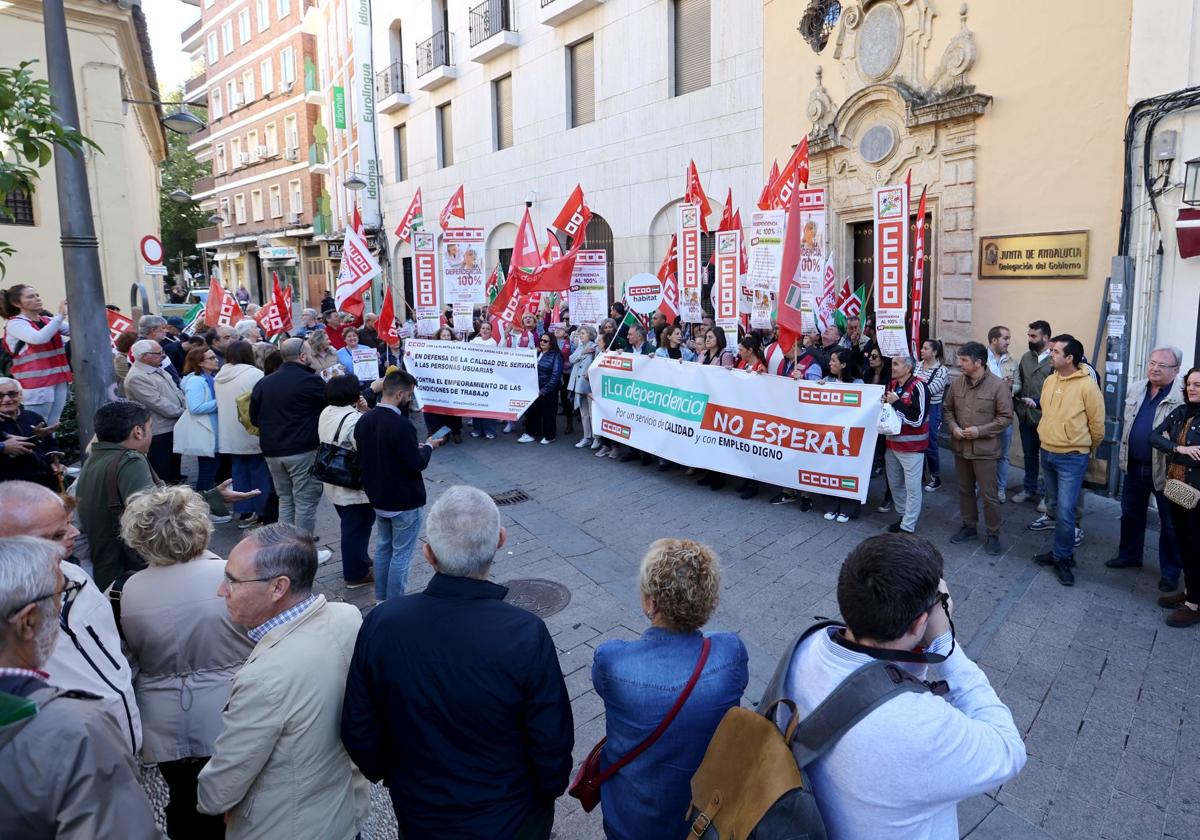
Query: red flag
{"points": [[918, 273], [117, 324], [276, 316], [694, 194], [794, 171], [764, 198], [789, 298], [666, 275], [553, 250], [414, 218], [388, 333], [525, 257], [744, 261], [555, 275], [359, 267], [727, 213], [221, 307], [456, 206], [570, 218]]}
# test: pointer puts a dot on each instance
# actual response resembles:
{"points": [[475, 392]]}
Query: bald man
{"points": [[88, 654]]}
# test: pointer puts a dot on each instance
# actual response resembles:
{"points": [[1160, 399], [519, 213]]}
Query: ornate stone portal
{"points": [[897, 118]]}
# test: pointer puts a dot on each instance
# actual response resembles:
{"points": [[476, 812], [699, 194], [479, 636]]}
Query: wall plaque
{"points": [[1061, 255]]}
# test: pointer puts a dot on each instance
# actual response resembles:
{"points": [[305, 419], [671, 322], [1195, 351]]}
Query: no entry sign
{"points": [[152, 249]]}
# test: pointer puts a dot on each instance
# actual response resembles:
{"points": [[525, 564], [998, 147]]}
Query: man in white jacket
{"points": [[88, 654]]}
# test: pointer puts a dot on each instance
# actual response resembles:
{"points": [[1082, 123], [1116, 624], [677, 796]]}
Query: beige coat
{"points": [[154, 388], [231, 382], [279, 767], [1133, 402], [327, 426], [186, 651]]}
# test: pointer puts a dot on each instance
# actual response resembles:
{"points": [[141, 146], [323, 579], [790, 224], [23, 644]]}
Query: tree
{"points": [[29, 131], [180, 170]]}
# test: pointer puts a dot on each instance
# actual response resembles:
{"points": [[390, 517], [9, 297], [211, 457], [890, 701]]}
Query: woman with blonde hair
{"points": [[641, 680], [321, 355], [182, 644]]}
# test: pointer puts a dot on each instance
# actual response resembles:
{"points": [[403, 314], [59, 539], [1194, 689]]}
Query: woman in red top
{"points": [[750, 354], [39, 354]]}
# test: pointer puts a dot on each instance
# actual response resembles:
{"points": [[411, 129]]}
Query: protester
{"points": [[978, 409], [455, 698], [484, 426], [750, 355], [29, 451], [368, 334], [808, 364], [182, 643], [636, 336], [278, 768], [285, 407], [220, 338], [673, 345], [1071, 428], [842, 370], [121, 361], [541, 418], [1147, 405], [901, 771], [905, 457], [234, 381], [309, 323], [39, 355], [197, 432], [932, 371], [87, 655], [525, 335], [1003, 367], [322, 357], [566, 409], [581, 361], [609, 338], [346, 356], [1177, 441], [392, 463], [249, 331], [149, 385], [435, 420], [640, 680], [714, 350], [879, 372], [336, 427], [67, 770], [156, 328], [1032, 372]]}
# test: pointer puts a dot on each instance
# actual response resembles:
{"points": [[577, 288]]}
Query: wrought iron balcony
{"points": [[489, 18], [389, 81], [433, 53]]}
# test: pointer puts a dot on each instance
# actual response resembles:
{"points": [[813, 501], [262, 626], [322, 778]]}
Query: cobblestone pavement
{"points": [[1104, 693]]}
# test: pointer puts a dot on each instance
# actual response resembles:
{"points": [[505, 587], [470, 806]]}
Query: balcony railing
{"points": [[433, 53], [490, 18], [390, 80], [203, 184], [191, 31], [207, 234], [195, 84]]}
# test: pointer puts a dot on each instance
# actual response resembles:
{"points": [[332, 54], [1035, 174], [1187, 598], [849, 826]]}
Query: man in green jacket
{"points": [[115, 469], [1027, 392]]}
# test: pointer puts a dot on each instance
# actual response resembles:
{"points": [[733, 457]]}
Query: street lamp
{"points": [[1191, 183], [216, 219], [181, 122], [179, 196], [530, 197], [355, 182]]}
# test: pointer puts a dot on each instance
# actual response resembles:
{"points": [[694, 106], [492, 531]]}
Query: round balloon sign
{"points": [[643, 293], [152, 249]]}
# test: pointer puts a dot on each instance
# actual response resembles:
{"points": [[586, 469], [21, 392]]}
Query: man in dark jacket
{"points": [[28, 451], [286, 406], [1032, 371], [392, 463], [455, 698]]}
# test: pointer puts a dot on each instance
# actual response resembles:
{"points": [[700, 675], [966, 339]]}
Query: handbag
{"points": [[194, 435], [889, 420], [586, 787], [337, 464], [1177, 490]]}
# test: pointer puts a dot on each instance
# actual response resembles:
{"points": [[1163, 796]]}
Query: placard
{"points": [[366, 363], [588, 297], [473, 380], [689, 271], [813, 248], [426, 282], [891, 262], [725, 294], [643, 293], [463, 271]]}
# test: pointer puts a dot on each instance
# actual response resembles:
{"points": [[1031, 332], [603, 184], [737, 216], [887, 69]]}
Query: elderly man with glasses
{"points": [[67, 769], [148, 385], [1147, 404], [29, 451]]}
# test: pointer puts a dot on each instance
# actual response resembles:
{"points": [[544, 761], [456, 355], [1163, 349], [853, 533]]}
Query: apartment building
{"points": [[266, 144], [519, 100]]}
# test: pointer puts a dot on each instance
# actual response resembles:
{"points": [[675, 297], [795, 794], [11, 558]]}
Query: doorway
{"points": [[862, 237]]}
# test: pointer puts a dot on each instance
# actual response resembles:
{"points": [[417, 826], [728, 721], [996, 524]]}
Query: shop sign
{"points": [[335, 250], [278, 252], [1035, 255], [339, 107]]}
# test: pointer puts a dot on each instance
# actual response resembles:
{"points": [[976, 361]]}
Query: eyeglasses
{"points": [[230, 580], [68, 593], [1151, 364], [9, 395]]}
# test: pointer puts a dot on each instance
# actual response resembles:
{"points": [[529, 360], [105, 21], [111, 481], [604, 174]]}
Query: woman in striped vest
{"points": [[38, 351]]}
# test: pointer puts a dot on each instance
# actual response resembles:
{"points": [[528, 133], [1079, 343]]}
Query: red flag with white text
{"points": [[117, 324], [694, 194], [456, 206], [794, 171], [570, 219], [790, 295], [918, 274], [669, 306], [359, 268], [764, 198], [414, 218], [222, 308], [388, 333], [275, 317]]}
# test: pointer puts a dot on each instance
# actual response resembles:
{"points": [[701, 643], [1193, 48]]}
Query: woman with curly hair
{"points": [[640, 680]]}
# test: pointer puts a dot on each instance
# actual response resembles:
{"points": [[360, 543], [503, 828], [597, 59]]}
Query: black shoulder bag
{"points": [[337, 464]]}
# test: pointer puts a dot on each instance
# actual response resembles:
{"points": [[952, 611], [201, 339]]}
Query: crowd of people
{"points": [[267, 708]]}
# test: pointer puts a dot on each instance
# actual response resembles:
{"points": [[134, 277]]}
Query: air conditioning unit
{"points": [[292, 154], [293, 218], [263, 151], [286, 85], [243, 158]]}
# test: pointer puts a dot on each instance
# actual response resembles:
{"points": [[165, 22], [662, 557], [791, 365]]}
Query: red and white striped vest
{"points": [[40, 365], [911, 438]]}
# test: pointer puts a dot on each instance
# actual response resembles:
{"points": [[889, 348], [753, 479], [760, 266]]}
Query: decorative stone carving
{"points": [[877, 142], [880, 40], [821, 109], [957, 60]]}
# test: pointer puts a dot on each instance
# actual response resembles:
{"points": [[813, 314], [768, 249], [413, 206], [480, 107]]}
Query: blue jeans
{"points": [[1031, 447], [1063, 472], [932, 460], [250, 473], [356, 536], [1002, 465], [393, 551], [206, 472], [1135, 500], [485, 426]]}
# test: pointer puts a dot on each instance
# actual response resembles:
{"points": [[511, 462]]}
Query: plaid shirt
{"points": [[283, 618]]}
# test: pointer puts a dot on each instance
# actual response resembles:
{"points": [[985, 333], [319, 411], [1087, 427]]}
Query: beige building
{"points": [[1010, 113], [111, 63]]}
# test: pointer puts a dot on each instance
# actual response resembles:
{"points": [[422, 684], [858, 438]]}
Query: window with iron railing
{"points": [[17, 209], [489, 18], [390, 80], [433, 53]]}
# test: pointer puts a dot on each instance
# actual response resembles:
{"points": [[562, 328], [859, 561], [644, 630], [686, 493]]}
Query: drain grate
{"points": [[543, 598], [510, 497]]}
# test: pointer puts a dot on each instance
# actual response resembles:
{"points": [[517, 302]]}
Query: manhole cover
{"points": [[510, 497], [543, 598]]}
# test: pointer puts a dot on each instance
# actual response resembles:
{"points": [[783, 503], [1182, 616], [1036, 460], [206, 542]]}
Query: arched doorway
{"points": [[599, 237]]}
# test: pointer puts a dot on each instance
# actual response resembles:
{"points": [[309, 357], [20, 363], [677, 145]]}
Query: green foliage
{"points": [[180, 170], [29, 131]]}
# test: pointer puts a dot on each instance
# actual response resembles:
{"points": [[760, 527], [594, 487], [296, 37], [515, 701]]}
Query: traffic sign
{"points": [[152, 250]]}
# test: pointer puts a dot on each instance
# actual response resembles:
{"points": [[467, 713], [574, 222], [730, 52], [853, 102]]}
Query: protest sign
{"points": [[588, 297], [366, 363], [463, 315], [473, 380], [463, 270], [726, 293], [426, 291], [643, 293], [806, 435], [690, 271], [813, 247], [891, 261]]}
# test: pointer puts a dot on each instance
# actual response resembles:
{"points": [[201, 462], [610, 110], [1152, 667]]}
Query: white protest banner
{"points": [[643, 293], [464, 317], [588, 297], [766, 249], [463, 273], [690, 272], [725, 295], [473, 380], [807, 435], [812, 252], [366, 363], [426, 291], [891, 262]]}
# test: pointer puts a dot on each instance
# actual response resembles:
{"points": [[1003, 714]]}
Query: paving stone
{"points": [[1144, 778], [1130, 818]]}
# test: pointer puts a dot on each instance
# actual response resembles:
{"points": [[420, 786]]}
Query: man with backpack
{"points": [[909, 751]]}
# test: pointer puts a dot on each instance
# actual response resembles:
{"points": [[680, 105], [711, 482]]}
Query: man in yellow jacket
{"points": [[1071, 428]]}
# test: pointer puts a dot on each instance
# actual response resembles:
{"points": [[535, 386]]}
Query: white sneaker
{"points": [[324, 555], [843, 518], [583, 442], [831, 516], [525, 439], [545, 441], [219, 520], [507, 428], [1042, 506], [596, 443], [613, 452], [476, 434]]}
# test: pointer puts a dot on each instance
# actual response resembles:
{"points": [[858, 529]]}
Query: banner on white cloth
{"points": [[463, 273], [426, 291], [689, 271], [588, 298], [473, 380], [807, 435], [891, 264]]}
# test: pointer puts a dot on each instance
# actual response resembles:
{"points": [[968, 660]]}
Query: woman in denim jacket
{"points": [[639, 681]]}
